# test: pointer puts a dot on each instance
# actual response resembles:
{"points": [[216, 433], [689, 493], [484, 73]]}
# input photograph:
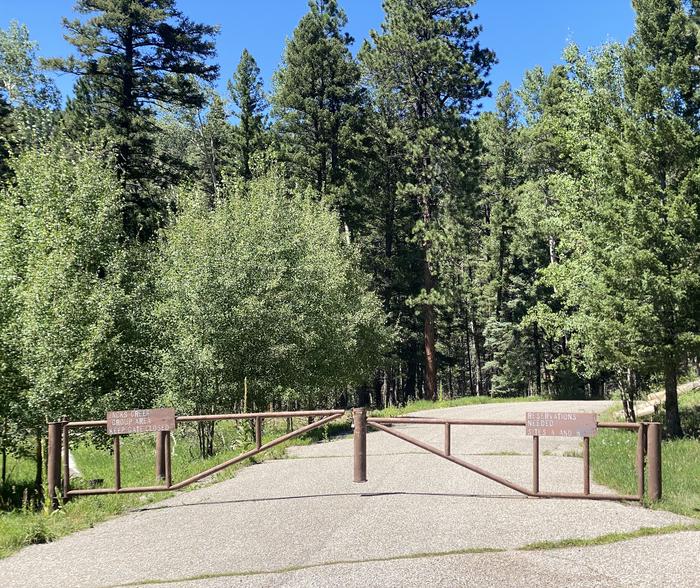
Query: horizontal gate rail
{"points": [[648, 445], [59, 444], [479, 422]]}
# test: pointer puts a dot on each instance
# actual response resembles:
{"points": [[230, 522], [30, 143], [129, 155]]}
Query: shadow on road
{"points": [[330, 495]]}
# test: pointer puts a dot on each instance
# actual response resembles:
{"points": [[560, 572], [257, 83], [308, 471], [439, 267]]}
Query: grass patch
{"points": [[613, 459], [609, 538], [418, 405], [301, 567]]}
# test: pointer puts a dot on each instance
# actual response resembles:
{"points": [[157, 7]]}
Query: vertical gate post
{"points": [[66, 461], [54, 463], [654, 460], [167, 459], [535, 464], [586, 466], [641, 450], [448, 439], [359, 417], [258, 432], [117, 463], [160, 455]]}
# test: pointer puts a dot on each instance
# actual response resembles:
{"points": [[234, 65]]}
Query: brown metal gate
{"points": [[648, 445], [59, 445], [648, 452]]}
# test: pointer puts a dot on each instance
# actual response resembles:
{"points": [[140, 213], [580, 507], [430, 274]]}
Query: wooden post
{"points": [[168, 458]]}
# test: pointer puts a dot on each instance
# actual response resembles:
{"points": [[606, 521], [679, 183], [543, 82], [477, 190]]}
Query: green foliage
{"points": [[134, 54], [75, 333], [28, 98], [21, 82], [261, 289], [427, 67], [549, 247], [628, 278], [318, 105]]}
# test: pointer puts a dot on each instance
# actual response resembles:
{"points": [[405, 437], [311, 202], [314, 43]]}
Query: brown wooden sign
{"points": [[147, 420], [561, 424]]}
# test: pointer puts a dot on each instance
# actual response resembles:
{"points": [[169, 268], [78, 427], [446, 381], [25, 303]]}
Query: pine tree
{"points": [[138, 53], [428, 64], [511, 359], [248, 96], [214, 147], [662, 85], [317, 102]]}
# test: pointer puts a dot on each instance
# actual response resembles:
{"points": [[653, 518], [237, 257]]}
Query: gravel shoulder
{"points": [[306, 511]]}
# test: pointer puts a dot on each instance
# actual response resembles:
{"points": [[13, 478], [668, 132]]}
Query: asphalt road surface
{"points": [[418, 521]]}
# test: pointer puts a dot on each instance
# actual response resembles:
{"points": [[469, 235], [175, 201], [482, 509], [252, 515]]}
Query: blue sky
{"points": [[523, 33]]}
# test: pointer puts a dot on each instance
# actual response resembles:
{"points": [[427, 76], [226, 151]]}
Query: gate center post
{"points": [[359, 418]]}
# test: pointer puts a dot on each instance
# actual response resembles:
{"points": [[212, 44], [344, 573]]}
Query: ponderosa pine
{"points": [[428, 65], [138, 53]]}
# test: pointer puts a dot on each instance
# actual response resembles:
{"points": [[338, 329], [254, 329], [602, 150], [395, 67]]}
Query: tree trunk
{"points": [[429, 335], [478, 358], [469, 361], [363, 395], [377, 391], [205, 434], [411, 370], [538, 359], [430, 357], [673, 418], [629, 395]]}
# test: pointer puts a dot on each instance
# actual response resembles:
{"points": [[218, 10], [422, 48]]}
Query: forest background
{"points": [[362, 234]]}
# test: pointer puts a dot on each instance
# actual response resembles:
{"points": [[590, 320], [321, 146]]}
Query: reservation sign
{"points": [[148, 420], [561, 424]]}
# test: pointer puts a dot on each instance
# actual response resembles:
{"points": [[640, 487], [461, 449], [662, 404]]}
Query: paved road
{"points": [[302, 522]]}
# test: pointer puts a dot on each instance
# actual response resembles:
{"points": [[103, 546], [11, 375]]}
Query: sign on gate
{"points": [[147, 420], [561, 424]]}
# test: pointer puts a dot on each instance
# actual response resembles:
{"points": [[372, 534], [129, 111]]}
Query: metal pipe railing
{"points": [[59, 451], [648, 443]]}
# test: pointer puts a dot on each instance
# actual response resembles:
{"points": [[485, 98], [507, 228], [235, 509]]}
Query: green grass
{"points": [[613, 459], [25, 526], [609, 538], [418, 405]]}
